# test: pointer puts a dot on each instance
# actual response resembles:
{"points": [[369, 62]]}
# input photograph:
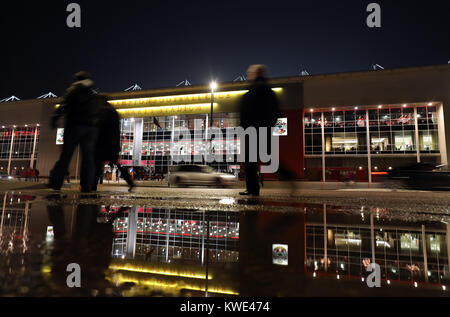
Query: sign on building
{"points": [[280, 127], [60, 136], [280, 254]]}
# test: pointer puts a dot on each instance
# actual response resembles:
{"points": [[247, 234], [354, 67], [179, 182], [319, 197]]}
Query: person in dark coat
{"points": [[108, 143], [259, 108], [80, 113], [36, 174], [89, 245]]}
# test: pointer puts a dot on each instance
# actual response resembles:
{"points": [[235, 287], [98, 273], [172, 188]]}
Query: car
{"points": [[5, 176], [421, 176], [189, 175]]}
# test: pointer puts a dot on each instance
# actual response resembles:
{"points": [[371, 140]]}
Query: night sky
{"points": [[161, 43]]}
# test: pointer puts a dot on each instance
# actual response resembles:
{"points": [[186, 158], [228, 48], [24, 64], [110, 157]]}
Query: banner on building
{"points": [[280, 127], [60, 136], [280, 254]]}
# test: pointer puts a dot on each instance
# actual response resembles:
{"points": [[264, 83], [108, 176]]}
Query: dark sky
{"points": [[160, 43]]}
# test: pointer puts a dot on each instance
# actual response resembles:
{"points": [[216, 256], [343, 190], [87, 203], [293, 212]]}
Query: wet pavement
{"points": [[209, 242]]}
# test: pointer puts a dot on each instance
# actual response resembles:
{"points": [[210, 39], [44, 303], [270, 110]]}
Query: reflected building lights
{"points": [[391, 244], [167, 244]]}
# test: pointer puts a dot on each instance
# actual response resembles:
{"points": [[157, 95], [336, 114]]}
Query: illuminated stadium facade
{"points": [[363, 123]]}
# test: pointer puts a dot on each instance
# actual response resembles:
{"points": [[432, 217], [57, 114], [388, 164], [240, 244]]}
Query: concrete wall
{"points": [[34, 112]]}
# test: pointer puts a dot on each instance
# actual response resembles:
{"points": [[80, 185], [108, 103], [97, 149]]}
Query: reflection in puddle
{"points": [[148, 251], [345, 245]]}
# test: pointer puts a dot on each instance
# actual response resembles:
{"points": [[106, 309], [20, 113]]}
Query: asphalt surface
{"points": [[276, 196]]}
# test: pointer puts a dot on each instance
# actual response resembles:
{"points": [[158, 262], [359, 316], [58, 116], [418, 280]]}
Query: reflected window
{"points": [[409, 242]]}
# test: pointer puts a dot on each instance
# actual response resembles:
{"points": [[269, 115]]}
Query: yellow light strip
{"points": [[160, 271], [176, 98], [166, 110], [118, 278], [180, 98]]}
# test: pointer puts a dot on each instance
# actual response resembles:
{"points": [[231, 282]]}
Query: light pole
{"points": [[213, 86]]}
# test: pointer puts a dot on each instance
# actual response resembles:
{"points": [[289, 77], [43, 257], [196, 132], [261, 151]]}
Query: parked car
{"points": [[420, 176], [5, 176], [188, 175]]}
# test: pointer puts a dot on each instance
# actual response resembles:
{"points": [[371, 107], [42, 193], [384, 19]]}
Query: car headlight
{"points": [[9, 177]]}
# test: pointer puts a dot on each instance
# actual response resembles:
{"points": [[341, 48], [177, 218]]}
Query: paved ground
{"points": [[275, 195]]}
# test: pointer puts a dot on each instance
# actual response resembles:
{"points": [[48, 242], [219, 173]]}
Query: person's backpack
{"points": [[108, 143], [272, 111]]}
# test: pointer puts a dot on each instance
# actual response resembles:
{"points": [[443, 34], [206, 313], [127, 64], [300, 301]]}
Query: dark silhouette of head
{"points": [[82, 75], [256, 71]]}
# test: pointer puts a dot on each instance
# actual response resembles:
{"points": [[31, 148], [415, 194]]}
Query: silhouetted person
{"points": [[260, 108], [89, 245], [36, 175], [258, 273], [108, 142], [79, 110]]}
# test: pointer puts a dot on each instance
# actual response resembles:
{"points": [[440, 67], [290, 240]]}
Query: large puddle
{"points": [[127, 250]]}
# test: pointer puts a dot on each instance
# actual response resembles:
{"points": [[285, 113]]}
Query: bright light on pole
{"points": [[213, 86]]}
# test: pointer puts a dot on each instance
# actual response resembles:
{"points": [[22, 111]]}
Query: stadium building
{"points": [[332, 126]]}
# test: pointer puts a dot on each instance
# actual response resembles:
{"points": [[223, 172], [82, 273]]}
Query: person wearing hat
{"points": [[80, 111]]}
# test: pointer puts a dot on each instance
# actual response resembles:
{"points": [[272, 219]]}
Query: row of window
{"points": [[380, 142], [383, 117], [175, 234], [392, 131], [399, 253], [158, 144], [22, 142]]}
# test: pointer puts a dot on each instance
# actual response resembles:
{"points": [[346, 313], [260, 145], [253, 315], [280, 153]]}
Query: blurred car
{"points": [[5, 176], [189, 175], [419, 176]]}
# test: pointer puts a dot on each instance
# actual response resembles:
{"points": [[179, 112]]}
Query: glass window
{"points": [[422, 119], [339, 120], [360, 117], [23, 142], [407, 118], [428, 129], [392, 130], [328, 119], [342, 142], [404, 141], [384, 117], [313, 132], [409, 242], [380, 141], [428, 141]]}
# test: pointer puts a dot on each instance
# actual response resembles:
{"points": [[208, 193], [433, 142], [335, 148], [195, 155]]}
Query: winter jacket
{"points": [[79, 106], [259, 107], [108, 142]]}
